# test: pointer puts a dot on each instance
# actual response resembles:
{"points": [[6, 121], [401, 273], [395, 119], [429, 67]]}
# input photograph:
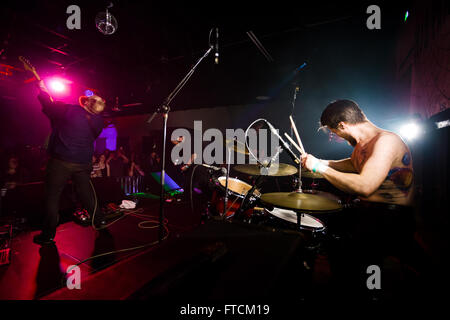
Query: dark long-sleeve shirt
{"points": [[74, 130]]}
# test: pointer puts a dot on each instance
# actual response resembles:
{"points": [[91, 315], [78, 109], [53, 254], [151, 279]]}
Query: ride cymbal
{"points": [[276, 169]]}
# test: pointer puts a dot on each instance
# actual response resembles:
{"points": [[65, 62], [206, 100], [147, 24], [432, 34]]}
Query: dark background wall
{"points": [[151, 52]]}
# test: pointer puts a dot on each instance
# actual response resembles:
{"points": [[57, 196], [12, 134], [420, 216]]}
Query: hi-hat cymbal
{"points": [[276, 169], [312, 175], [237, 146], [301, 201]]}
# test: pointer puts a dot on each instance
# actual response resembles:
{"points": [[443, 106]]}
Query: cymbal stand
{"points": [[299, 189], [225, 199]]}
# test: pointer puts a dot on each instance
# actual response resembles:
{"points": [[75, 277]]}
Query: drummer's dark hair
{"points": [[341, 110]]}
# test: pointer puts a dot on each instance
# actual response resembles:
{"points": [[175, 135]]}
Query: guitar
{"points": [[29, 67]]}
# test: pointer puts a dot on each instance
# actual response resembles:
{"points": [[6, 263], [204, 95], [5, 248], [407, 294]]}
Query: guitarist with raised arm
{"points": [[74, 129]]}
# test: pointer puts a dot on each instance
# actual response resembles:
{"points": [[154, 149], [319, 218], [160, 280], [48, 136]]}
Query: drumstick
{"points": [[293, 143], [296, 134]]}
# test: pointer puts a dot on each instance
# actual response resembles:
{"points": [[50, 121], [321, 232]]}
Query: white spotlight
{"points": [[410, 131]]}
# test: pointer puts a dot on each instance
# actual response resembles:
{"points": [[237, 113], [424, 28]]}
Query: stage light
{"points": [[406, 15], [57, 85], [442, 124], [410, 131], [88, 93], [110, 135]]}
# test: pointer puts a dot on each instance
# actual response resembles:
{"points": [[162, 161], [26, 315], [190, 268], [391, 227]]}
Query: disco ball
{"points": [[106, 23]]}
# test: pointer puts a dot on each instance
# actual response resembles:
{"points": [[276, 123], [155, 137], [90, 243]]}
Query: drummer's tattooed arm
{"points": [[373, 173], [344, 165]]}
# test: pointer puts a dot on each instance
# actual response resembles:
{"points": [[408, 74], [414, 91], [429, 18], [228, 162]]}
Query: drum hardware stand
{"points": [[165, 109], [265, 170], [314, 184], [299, 190], [225, 199]]}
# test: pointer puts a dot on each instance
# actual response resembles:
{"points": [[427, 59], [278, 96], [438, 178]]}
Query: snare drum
{"points": [[237, 190]]}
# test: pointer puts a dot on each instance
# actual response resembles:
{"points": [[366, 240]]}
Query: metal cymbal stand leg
{"points": [[299, 189], [225, 199]]}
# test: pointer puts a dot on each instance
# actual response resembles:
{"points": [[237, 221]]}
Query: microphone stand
{"points": [[293, 107], [165, 109], [295, 95]]}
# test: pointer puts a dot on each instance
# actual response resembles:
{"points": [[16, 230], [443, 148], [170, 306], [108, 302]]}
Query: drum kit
{"points": [[298, 210], [295, 210]]}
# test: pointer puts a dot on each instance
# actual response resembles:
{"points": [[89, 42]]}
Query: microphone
{"points": [[150, 119], [284, 145], [224, 170], [216, 48]]}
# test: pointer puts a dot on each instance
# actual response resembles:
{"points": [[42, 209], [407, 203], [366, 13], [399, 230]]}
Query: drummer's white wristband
{"points": [[319, 167]]}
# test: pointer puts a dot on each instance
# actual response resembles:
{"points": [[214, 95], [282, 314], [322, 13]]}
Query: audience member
{"points": [[102, 165], [95, 173], [116, 163], [136, 168], [13, 175]]}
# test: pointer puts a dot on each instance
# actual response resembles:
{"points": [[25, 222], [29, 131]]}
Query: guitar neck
{"points": [[37, 76], [29, 67]]}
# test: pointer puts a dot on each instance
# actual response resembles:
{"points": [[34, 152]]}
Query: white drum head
{"points": [[290, 216]]}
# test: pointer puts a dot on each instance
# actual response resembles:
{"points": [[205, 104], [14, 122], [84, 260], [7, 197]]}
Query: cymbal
{"points": [[276, 169], [301, 201], [323, 194], [237, 146], [312, 175]]}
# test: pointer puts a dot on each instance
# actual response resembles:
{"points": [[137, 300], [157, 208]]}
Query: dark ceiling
{"points": [[155, 47]]}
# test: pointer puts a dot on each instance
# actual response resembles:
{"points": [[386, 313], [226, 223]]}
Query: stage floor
{"points": [[36, 271], [202, 260]]}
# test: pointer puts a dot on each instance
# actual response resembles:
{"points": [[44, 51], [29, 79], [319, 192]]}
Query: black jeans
{"points": [[58, 172]]}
